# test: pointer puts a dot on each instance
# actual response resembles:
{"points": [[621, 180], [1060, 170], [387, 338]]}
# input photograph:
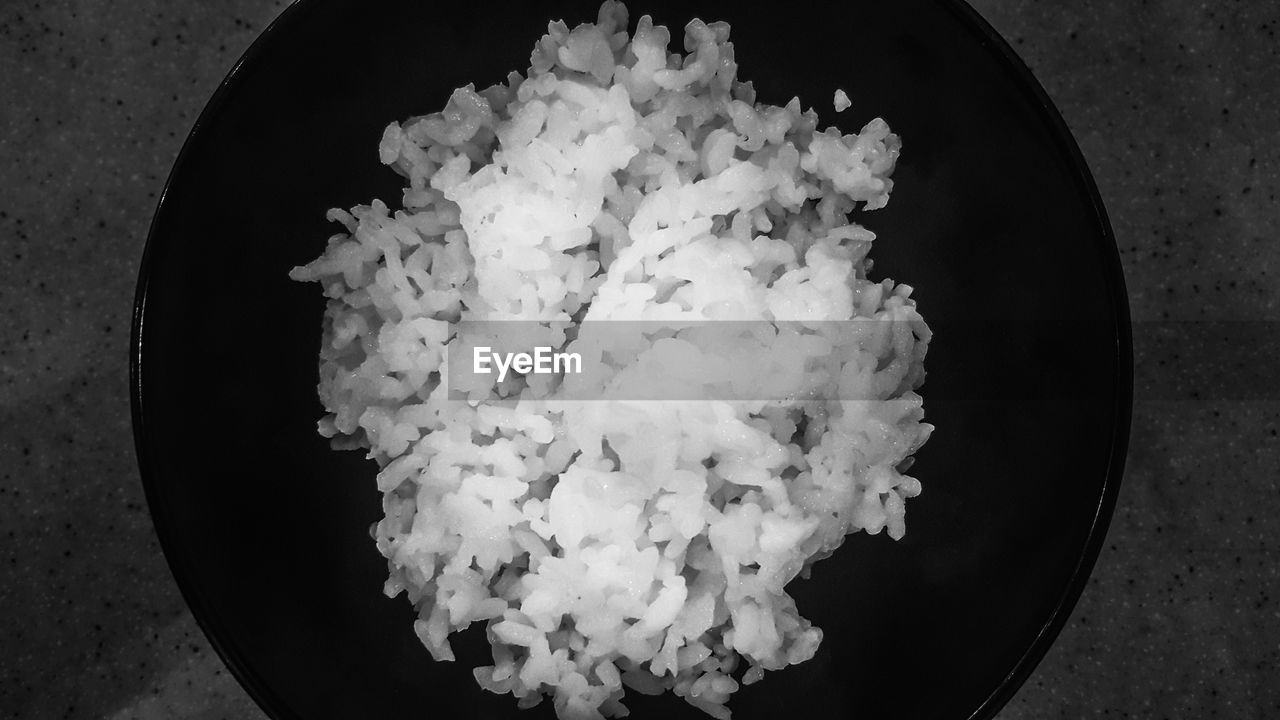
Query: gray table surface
{"points": [[1175, 104]]}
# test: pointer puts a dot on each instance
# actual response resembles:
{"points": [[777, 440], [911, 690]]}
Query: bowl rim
{"points": [[1064, 142], [1122, 407], [271, 704]]}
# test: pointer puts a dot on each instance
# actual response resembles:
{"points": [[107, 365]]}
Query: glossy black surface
{"points": [[993, 219]]}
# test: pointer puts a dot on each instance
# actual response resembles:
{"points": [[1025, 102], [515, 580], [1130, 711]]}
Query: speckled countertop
{"points": [[1176, 106]]}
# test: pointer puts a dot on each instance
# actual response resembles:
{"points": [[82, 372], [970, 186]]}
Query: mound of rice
{"points": [[622, 544]]}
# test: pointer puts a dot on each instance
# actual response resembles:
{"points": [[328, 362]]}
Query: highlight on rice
{"points": [[623, 545]]}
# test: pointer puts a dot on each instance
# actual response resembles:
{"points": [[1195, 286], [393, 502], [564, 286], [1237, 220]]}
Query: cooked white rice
{"points": [[621, 543], [841, 101]]}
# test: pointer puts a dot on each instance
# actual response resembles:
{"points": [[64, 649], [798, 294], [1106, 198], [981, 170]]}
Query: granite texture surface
{"points": [[1175, 104]]}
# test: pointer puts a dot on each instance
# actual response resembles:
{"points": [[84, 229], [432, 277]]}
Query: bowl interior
{"points": [[993, 220]]}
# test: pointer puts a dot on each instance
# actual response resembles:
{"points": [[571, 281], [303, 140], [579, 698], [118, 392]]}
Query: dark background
{"points": [[1176, 106]]}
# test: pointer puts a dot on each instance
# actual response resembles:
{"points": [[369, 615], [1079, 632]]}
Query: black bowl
{"points": [[994, 219]]}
